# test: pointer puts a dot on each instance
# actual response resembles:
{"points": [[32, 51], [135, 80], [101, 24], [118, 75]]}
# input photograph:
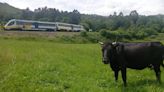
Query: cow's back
{"points": [[140, 55]]}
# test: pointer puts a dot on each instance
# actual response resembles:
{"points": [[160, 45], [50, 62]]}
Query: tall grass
{"points": [[36, 66]]}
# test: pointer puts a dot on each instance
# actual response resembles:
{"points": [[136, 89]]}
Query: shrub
{"points": [[150, 31], [115, 35], [1, 27], [162, 31], [125, 34], [83, 34], [139, 33], [103, 32]]}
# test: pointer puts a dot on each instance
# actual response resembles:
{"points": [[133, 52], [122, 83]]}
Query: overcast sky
{"points": [[100, 7]]}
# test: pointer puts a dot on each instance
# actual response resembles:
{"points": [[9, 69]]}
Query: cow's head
{"points": [[108, 51]]}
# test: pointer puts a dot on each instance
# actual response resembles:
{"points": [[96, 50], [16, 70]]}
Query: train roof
{"points": [[43, 22]]}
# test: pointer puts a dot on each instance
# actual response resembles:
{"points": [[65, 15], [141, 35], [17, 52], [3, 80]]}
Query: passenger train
{"points": [[17, 24]]}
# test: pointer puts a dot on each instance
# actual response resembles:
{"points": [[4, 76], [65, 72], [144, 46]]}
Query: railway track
{"points": [[37, 33]]}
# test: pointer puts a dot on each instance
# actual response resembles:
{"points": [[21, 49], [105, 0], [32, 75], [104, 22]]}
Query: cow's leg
{"points": [[157, 72], [116, 75], [123, 72]]}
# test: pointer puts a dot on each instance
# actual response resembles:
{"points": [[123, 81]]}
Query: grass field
{"points": [[45, 66]]}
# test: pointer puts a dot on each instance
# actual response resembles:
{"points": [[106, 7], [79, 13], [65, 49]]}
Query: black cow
{"points": [[133, 55]]}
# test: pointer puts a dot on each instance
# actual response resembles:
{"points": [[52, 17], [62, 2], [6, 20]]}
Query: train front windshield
{"points": [[10, 23]]}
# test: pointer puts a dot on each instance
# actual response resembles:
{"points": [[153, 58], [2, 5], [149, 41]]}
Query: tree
{"points": [[134, 16], [121, 14], [27, 14], [75, 17], [115, 14]]}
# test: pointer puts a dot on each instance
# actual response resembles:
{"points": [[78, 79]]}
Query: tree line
{"points": [[131, 22], [52, 15]]}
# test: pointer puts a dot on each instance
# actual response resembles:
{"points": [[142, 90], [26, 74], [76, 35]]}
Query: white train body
{"points": [[16, 24]]}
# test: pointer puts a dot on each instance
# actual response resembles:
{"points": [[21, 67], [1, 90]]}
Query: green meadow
{"points": [[48, 66]]}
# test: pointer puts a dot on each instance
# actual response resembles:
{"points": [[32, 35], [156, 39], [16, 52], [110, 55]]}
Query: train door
{"points": [[36, 25], [27, 26]]}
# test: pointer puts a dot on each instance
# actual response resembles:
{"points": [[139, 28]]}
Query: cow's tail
{"points": [[162, 65], [163, 55]]}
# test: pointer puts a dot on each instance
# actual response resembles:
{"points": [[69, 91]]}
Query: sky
{"points": [[100, 7]]}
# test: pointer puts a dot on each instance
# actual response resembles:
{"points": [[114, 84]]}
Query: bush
{"points": [[125, 34], [83, 34], [1, 27], [103, 32], [139, 33], [115, 35], [162, 31], [150, 31]]}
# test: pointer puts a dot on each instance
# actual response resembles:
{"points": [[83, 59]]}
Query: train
{"points": [[30, 25]]}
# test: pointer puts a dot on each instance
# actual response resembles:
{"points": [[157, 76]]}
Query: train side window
{"points": [[11, 23], [19, 23]]}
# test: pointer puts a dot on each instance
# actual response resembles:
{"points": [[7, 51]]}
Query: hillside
{"points": [[9, 11]]}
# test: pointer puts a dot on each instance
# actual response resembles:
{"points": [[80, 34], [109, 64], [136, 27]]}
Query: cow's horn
{"points": [[101, 43], [113, 43]]}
